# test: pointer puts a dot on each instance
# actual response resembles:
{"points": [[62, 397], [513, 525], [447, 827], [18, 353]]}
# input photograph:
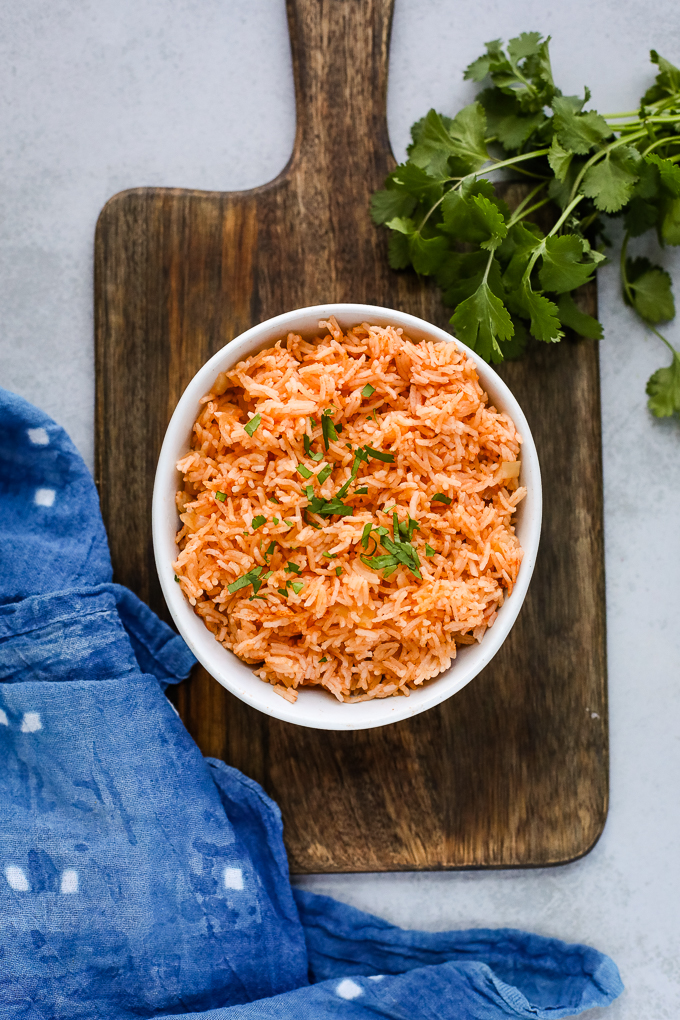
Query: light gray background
{"points": [[100, 96]]}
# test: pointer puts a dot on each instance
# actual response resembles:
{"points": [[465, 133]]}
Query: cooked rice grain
{"points": [[356, 632]]}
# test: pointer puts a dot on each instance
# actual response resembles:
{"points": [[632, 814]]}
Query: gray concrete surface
{"points": [[101, 96]]}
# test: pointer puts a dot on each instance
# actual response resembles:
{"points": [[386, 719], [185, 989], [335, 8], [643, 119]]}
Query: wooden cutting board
{"points": [[513, 770]]}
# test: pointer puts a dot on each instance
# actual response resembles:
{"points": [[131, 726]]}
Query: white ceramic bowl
{"points": [[314, 707]]}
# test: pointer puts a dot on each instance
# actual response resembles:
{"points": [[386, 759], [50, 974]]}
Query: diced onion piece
{"points": [[508, 469]]}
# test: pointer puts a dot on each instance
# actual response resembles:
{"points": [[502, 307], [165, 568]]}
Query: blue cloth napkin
{"points": [[138, 879]]}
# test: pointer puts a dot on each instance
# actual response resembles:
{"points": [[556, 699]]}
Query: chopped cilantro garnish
{"points": [[252, 577], [363, 491], [328, 430], [399, 551], [365, 534], [439, 497], [313, 421], [306, 519], [221, 496], [368, 390], [407, 527], [177, 578], [265, 577], [253, 424], [297, 586], [292, 568], [338, 571], [270, 549], [429, 550], [273, 499], [308, 449], [360, 455], [253, 597], [329, 508], [325, 472], [258, 521], [304, 471], [275, 521], [309, 491], [330, 556], [282, 591], [324, 659], [339, 427], [379, 455], [287, 520]]}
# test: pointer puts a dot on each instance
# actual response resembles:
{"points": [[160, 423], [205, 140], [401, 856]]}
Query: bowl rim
{"points": [[223, 665]]}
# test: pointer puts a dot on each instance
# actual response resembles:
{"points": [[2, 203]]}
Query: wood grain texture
{"points": [[513, 770]]}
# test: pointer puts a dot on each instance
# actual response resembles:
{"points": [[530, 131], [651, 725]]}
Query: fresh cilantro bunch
{"points": [[504, 277]]}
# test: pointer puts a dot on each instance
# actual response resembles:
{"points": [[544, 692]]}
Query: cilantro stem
{"points": [[538, 252], [663, 141], [624, 276], [564, 215], [488, 265], [439, 202], [497, 165], [528, 212], [513, 160], [669, 345], [518, 211]]}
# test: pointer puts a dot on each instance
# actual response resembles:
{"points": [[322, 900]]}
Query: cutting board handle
{"points": [[340, 52]]}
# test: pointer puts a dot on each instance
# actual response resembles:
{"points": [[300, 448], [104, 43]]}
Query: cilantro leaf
{"points": [[463, 138], [481, 321], [439, 497], [398, 252], [330, 507], [242, 582], [562, 268], [640, 216], [388, 458], [297, 586], [663, 390], [253, 424], [429, 550], [578, 132], [545, 324], [475, 219], [427, 254], [220, 496], [582, 324], [525, 242], [668, 174], [308, 449], [325, 472], [292, 568], [258, 521], [610, 182], [392, 203], [328, 431], [670, 224], [304, 471], [559, 159], [667, 80], [506, 121], [368, 390], [650, 287]]}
